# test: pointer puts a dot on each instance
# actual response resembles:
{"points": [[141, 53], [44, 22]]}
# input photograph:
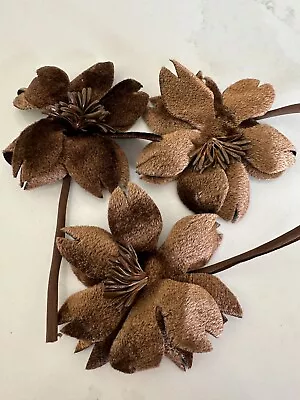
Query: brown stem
{"points": [[275, 244], [291, 109], [136, 135], [52, 296]]}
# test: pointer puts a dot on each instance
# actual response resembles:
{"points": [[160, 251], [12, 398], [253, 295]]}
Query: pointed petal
{"points": [[225, 299], [134, 218], [256, 173], [203, 192], [95, 163], [38, 152], [48, 88], [100, 354], [271, 152], [167, 158], [190, 244], [99, 78], [182, 358], [189, 312], [91, 251], [236, 203], [9, 151], [82, 345], [91, 317], [247, 99], [160, 121], [125, 104], [186, 97], [141, 347]]}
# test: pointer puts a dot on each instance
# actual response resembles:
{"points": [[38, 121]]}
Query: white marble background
{"points": [[256, 357]]}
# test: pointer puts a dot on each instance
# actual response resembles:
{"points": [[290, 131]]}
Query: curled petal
{"points": [[236, 203], [247, 99], [95, 163], [203, 192], [167, 158], [134, 218], [48, 88], [21, 102], [38, 153], [271, 152], [258, 174], [90, 252], [225, 299], [90, 316], [125, 104], [185, 96], [160, 121], [190, 244], [99, 78]]}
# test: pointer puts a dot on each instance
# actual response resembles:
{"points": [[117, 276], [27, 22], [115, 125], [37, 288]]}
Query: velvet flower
{"points": [[144, 301], [212, 141], [76, 137]]}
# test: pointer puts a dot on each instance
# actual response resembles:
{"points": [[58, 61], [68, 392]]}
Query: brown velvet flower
{"points": [[76, 137], [212, 141], [143, 301]]}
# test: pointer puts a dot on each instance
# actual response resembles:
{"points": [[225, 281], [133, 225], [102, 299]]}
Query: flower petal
{"points": [[247, 99], [271, 151], [256, 173], [167, 158], [48, 88], [82, 345], [236, 203], [139, 344], [125, 104], [203, 192], [189, 312], [9, 151], [99, 78], [134, 218], [157, 180], [190, 244], [186, 97], [182, 358], [160, 121], [90, 252], [95, 163], [100, 354], [38, 152], [225, 299], [90, 316]]}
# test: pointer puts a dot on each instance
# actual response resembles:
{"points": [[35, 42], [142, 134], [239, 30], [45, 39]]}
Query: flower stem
{"points": [[291, 109], [275, 244], [153, 137], [52, 296]]}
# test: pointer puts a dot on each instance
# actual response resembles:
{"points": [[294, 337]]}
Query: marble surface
{"points": [[256, 357]]}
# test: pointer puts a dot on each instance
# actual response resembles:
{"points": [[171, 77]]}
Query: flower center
{"points": [[220, 151], [81, 113], [126, 278]]}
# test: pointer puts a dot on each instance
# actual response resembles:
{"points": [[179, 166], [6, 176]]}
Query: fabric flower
{"points": [[143, 301], [212, 141], [76, 137]]}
